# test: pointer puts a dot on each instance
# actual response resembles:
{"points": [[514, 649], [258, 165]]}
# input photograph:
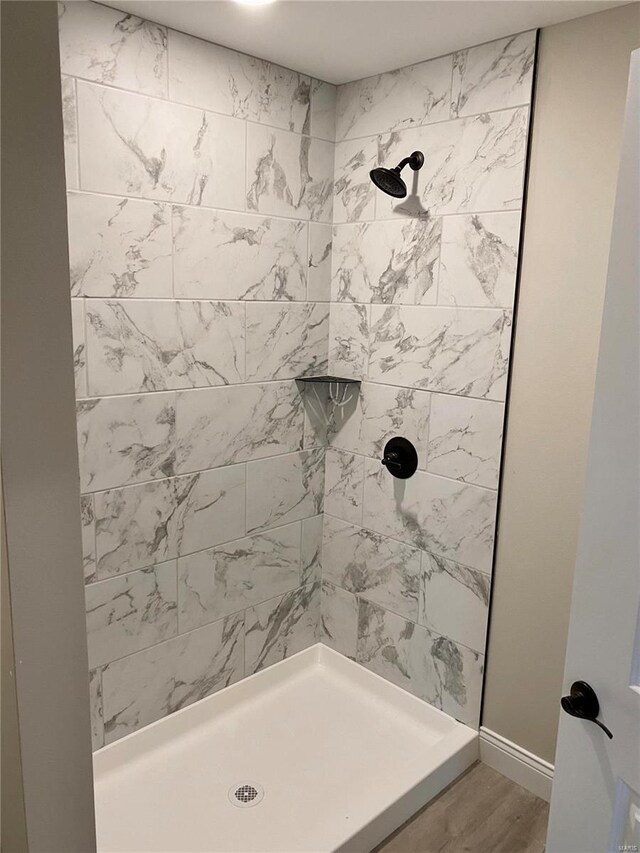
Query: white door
{"points": [[595, 802]]}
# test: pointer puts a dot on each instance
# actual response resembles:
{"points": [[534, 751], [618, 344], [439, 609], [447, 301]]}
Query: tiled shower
{"points": [[224, 239]]}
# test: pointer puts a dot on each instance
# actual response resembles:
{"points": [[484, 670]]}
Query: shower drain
{"points": [[246, 794]]}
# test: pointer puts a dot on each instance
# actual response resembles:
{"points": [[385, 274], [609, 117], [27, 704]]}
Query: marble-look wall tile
{"points": [[343, 486], [339, 620], [465, 439], [320, 250], [407, 97], [118, 246], [111, 47], [288, 174], [281, 627], [446, 518], [349, 340], [240, 574], [373, 566], [454, 601], [284, 489], [140, 525], [434, 668], [155, 682], [311, 557], [453, 350], [124, 440], [79, 347], [236, 84], [285, 341], [316, 398], [88, 531], [323, 110], [386, 262], [95, 709], [471, 165], [138, 146], [70, 130], [223, 255], [478, 259], [493, 76], [131, 612], [158, 345], [224, 425], [354, 194]]}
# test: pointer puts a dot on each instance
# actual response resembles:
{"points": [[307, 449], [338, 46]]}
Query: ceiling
{"points": [[343, 40]]}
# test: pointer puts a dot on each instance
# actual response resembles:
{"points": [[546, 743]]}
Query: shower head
{"points": [[389, 180]]}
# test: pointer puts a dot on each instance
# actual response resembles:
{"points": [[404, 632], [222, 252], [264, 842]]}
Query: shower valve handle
{"points": [[400, 458]]}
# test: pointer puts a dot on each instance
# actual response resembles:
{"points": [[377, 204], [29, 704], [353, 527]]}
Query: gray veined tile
{"points": [[123, 440], [493, 76], [240, 574], [281, 627], [349, 340], [87, 521], [288, 174], [447, 518], [319, 276], [409, 96], [111, 47], [158, 345], [70, 130], [129, 613], [235, 424], [284, 489], [453, 350], [454, 601], [387, 262], [465, 439], [95, 709], [375, 567], [478, 259], [339, 620], [343, 486], [317, 397], [236, 84], [79, 347], [323, 110], [311, 558], [223, 255], [138, 146], [118, 246], [155, 682], [354, 194], [286, 341], [213, 510]]}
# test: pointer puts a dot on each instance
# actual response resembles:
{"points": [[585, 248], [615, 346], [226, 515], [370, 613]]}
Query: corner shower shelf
{"points": [[329, 380]]}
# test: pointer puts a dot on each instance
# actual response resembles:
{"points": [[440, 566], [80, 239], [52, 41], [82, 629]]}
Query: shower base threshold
{"points": [[337, 756]]}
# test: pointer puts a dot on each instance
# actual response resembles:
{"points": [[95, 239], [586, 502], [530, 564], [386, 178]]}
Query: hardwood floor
{"points": [[481, 812]]}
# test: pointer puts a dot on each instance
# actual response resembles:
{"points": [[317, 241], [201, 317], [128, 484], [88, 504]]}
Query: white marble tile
{"points": [[323, 110], [319, 276], [138, 146], [236, 84], [222, 255], [281, 627], [465, 439], [454, 601], [124, 440], [453, 350], [155, 682], [343, 485], [493, 76], [158, 345], [240, 574], [471, 165], [213, 510], [373, 566], [311, 559], [354, 194], [224, 425], [316, 413], [118, 246], [386, 262], [70, 130], [407, 97], [79, 347], [111, 47], [349, 340], [132, 612], [288, 174], [284, 489], [95, 705], [339, 620], [286, 340], [478, 259], [88, 531], [447, 518]]}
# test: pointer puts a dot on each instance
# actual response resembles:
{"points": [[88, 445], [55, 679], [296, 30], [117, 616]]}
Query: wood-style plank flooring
{"points": [[481, 812]]}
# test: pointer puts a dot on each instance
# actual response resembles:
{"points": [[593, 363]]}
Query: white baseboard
{"points": [[522, 767]]}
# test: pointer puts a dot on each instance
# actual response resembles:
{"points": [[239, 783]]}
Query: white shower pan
{"points": [[337, 757]]}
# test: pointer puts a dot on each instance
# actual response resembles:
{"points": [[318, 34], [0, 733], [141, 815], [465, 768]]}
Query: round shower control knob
{"points": [[400, 458]]}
